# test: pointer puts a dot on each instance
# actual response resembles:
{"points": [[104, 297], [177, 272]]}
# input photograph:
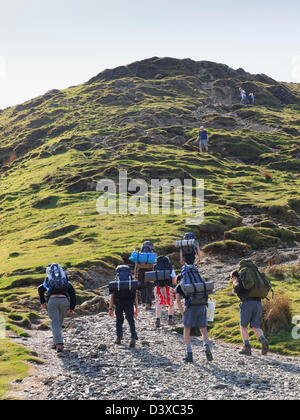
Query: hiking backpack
{"points": [[256, 283], [194, 287], [188, 247], [146, 256], [56, 278], [162, 274], [123, 281]]}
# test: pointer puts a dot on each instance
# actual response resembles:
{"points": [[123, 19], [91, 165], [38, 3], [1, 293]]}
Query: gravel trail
{"points": [[93, 367]]}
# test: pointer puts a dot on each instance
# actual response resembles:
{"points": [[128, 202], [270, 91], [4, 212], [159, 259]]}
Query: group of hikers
{"points": [[203, 137], [247, 99], [156, 274]]}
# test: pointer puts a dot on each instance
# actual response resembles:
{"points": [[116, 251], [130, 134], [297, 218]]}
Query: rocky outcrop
{"points": [[94, 306]]}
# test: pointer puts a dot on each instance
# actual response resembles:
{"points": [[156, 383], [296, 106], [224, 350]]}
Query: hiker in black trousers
{"points": [[124, 302]]}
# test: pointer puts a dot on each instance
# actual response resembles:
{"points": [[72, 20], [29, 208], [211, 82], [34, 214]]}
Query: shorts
{"points": [[164, 296], [251, 313], [203, 143], [195, 316]]}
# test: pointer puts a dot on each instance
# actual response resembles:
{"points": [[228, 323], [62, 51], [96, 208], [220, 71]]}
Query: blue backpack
{"points": [[146, 256], [194, 287], [56, 278]]}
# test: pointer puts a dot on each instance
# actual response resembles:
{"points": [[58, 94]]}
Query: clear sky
{"points": [[47, 44]]}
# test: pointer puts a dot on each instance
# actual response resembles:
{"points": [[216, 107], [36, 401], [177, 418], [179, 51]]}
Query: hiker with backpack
{"points": [[144, 262], [164, 279], [203, 139], [251, 286], [189, 249], [60, 299], [195, 290], [123, 296]]}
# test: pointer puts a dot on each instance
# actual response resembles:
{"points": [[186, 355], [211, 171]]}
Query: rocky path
{"points": [[92, 367]]}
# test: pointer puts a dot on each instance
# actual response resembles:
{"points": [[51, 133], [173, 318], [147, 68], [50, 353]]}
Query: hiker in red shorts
{"points": [[164, 279]]}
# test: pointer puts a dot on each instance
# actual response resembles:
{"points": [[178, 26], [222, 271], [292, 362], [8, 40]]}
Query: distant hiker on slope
{"points": [[195, 290], [59, 291], [250, 286], [243, 96], [124, 297], [251, 98], [203, 139], [164, 279]]}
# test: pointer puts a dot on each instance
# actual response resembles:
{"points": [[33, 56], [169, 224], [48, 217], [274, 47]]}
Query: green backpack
{"points": [[255, 282]]}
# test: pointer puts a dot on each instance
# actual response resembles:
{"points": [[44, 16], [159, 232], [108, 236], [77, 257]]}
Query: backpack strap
{"points": [[205, 289], [193, 281], [118, 281]]}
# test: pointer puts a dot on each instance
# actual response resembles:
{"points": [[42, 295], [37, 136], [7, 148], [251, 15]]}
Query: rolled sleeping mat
{"points": [[186, 243], [143, 257], [189, 289], [116, 286], [158, 275]]}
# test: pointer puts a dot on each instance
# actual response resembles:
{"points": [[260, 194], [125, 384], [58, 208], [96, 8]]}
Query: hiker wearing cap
{"points": [[195, 313], [243, 96], [203, 139], [60, 299], [250, 314]]}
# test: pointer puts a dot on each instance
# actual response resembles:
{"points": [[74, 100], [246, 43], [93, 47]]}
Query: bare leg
{"points": [[158, 310], [187, 336], [171, 310], [258, 332], [245, 333], [204, 334]]}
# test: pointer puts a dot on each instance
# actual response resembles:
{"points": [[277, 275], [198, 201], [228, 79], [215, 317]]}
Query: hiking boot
{"points": [[265, 347], [189, 358], [246, 351], [170, 322], [118, 341], [132, 344], [209, 355], [59, 348], [157, 323], [148, 307]]}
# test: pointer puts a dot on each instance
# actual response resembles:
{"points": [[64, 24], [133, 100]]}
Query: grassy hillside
{"points": [[143, 118]]}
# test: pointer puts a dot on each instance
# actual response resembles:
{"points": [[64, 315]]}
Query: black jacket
{"points": [[69, 293]]}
